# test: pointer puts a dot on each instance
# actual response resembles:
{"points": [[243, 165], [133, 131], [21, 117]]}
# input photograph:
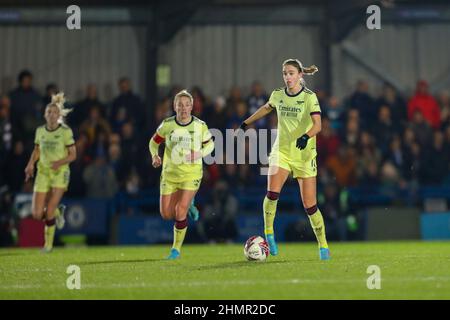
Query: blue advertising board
{"points": [[435, 226]]}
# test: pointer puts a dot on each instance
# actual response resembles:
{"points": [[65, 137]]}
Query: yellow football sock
{"points": [[318, 226], [49, 235], [270, 209], [178, 238], [57, 213]]}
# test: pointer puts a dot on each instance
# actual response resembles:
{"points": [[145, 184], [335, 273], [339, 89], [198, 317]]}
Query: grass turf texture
{"points": [[409, 270]]}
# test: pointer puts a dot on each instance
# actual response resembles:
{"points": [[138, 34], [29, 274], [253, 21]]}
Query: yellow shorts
{"points": [[48, 178], [299, 169], [169, 187]]}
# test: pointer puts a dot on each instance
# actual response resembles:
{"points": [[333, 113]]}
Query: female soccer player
{"points": [[54, 149], [187, 141], [294, 149]]}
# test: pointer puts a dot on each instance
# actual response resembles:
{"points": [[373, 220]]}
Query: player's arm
{"points": [[29, 169], [314, 111], [317, 125], [71, 156], [207, 146], [260, 113], [153, 146]]}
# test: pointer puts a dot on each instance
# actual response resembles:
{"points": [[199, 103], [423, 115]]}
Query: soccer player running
{"points": [[54, 149], [187, 140], [294, 149]]}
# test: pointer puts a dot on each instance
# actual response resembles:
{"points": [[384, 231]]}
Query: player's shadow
{"points": [[117, 261], [238, 264]]}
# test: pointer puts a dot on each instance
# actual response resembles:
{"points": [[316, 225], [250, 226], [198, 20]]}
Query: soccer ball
{"points": [[256, 249]]}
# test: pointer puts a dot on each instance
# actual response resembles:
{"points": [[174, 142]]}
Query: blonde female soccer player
{"points": [[53, 151], [187, 140], [294, 149]]}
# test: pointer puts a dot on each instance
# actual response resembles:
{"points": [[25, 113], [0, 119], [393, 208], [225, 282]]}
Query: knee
{"points": [[166, 214], [37, 214], [181, 209]]}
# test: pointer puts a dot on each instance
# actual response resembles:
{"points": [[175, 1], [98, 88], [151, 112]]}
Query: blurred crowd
{"points": [[366, 140]]}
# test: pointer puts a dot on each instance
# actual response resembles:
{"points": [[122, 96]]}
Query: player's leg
{"points": [[180, 226], [38, 205], [52, 206], [276, 178], [193, 212], [309, 198], [41, 196], [167, 203]]}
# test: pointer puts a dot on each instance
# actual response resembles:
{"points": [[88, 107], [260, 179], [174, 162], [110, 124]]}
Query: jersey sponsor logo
{"points": [[300, 101]]}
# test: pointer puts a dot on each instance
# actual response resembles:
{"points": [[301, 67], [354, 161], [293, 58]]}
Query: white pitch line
{"points": [[216, 283]]}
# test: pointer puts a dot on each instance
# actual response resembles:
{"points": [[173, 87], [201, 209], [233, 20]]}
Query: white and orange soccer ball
{"points": [[256, 249]]}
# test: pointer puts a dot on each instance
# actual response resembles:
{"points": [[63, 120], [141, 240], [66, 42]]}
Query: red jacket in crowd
{"points": [[425, 103]]}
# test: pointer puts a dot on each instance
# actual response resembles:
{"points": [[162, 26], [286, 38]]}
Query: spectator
{"points": [[396, 154], [422, 130], [334, 111], [437, 161], [100, 179], [423, 102], [216, 114], [126, 107], [444, 104], [352, 132], [327, 142], [384, 129], [129, 147], [241, 113], [77, 186], [343, 166], [369, 156], [395, 103], [16, 162], [363, 102], [255, 100], [26, 106], [115, 160], [83, 108], [233, 99], [199, 101], [50, 90], [94, 124]]}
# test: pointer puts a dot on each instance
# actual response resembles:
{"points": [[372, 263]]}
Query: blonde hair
{"points": [[58, 101], [183, 93], [306, 70]]}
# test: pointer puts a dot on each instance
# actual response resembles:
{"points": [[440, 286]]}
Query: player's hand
{"points": [[194, 155], [29, 172], [56, 165], [302, 141], [156, 161]]}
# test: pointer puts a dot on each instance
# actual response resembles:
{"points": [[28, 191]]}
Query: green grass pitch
{"points": [[409, 270]]}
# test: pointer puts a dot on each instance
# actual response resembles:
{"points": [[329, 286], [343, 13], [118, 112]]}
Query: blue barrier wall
{"points": [[144, 229], [89, 217], [435, 226]]}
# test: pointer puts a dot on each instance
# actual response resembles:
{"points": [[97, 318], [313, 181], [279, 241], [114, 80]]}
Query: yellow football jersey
{"points": [[53, 144], [180, 140], [294, 120]]}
